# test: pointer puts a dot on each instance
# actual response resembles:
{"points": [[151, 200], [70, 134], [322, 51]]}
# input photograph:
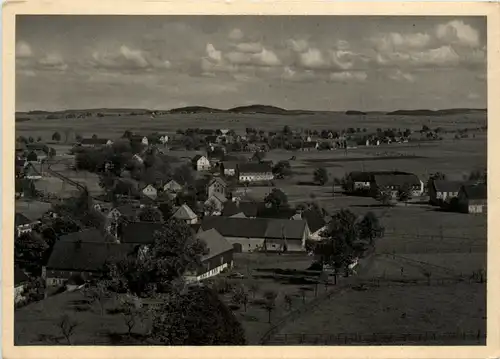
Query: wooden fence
{"points": [[431, 338]]}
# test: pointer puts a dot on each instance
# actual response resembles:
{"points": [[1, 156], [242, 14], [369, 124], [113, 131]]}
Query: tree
{"points": [[39, 139], [289, 301], [286, 130], [67, 326], [282, 169], [383, 195], [184, 175], [276, 199], [98, 293], [150, 214], [370, 228], [259, 156], [338, 248], [270, 303], [30, 139], [52, 152], [30, 251], [175, 252], [425, 128], [94, 136], [321, 176], [196, 317], [404, 193], [210, 207], [240, 296], [302, 293], [32, 157], [78, 137], [56, 136], [132, 311]]}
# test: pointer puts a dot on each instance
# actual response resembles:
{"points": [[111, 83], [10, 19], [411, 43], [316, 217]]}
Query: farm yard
{"points": [[425, 252]]}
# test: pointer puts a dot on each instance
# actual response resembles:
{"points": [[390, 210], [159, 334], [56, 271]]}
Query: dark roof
{"points": [[396, 180], [211, 138], [235, 227], [20, 219], [140, 232], [314, 219], [249, 209], [195, 227], [447, 186], [19, 276], [254, 168], [87, 235], [283, 213], [85, 256], [229, 164], [94, 141], [477, 191], [290, 229], [219, 180], [360, 176], [36, 146], [23, 184], [216, 243], [254, 228]]}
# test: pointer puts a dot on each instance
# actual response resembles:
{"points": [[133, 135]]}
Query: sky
{"points": [[302, 62]]}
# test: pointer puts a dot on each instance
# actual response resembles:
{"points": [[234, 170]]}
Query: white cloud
{"points": [[399, 75], [298, 45], [212, 53], [348, 76], [126, 59], [53, 62], [236, 34], [266, 58], [23, 50], [313, 59], [457, 32], [393, 42], [290, 74], [134, 56], [251, 47], [442, 56]]}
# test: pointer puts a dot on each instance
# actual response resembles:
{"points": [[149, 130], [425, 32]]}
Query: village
{"points": [[230, 194]]}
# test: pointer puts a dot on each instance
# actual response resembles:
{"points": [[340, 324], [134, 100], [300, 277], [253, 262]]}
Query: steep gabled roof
{"points": [[185, 213], [477, 191], [86, 235], [396, 180], [20, 277], [217, 179], [20, 219], [86, 256], [218, 196], [197, 158], [259, 228], [447, 186], [140, 232], [285, 228], [246, 207], [216, 243], [254, 168], [282, 213], [314, 219]]}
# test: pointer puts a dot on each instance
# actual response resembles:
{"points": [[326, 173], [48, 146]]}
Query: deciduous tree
{"points": [[321, 176]]}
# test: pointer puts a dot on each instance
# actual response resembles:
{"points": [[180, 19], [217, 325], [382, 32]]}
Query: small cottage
{"points": [[150, 192], [172, 187], [200, 163], [217, 185], [473, 198], [218, 258], [442, 191], [186, 214]]}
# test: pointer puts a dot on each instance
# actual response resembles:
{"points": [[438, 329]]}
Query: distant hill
{"points": [[354, 112], [195, 109], [444, 112]]}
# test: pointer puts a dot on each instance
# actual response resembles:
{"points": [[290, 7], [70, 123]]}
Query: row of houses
{"points": [[360, 182], [243, 171], [470, 197]]}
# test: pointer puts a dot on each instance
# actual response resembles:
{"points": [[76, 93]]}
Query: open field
{"points": [[111, 125]]}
